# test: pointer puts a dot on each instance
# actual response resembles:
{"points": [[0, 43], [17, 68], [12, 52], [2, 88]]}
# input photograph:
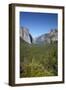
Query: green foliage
{"points": [[38, 60]]}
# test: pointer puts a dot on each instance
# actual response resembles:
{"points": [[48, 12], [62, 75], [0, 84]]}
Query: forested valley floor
{"points": [[38, 60]]}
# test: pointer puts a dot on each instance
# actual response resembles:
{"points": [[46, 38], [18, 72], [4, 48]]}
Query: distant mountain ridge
{"points": [[45, 38]]}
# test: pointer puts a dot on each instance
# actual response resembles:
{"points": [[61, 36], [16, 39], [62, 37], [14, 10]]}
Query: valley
{"points": [[37, 60]]}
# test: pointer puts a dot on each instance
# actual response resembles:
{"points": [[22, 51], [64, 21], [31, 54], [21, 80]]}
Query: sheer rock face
{"points": [[48, 37], [25, 35]]}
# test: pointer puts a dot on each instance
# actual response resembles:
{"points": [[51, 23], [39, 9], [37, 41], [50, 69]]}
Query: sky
{"points": [[38, 23]]}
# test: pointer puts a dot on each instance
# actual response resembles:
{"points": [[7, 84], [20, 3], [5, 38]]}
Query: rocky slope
{"points": [[47, 38]]}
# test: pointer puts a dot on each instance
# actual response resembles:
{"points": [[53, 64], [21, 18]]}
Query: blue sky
{"points": [[38, 23]]}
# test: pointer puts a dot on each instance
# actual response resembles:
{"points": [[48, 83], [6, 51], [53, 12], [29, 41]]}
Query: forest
{"points": [[38, 60]]}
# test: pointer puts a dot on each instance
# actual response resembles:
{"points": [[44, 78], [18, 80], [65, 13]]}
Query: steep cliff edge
{"points": [[25, 35]]}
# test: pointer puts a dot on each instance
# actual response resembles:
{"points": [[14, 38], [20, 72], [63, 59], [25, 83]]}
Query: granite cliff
{"points": [[25, 35]]}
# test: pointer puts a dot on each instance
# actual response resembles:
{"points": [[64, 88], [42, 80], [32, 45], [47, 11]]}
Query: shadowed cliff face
{"points": [[25, 35]]}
